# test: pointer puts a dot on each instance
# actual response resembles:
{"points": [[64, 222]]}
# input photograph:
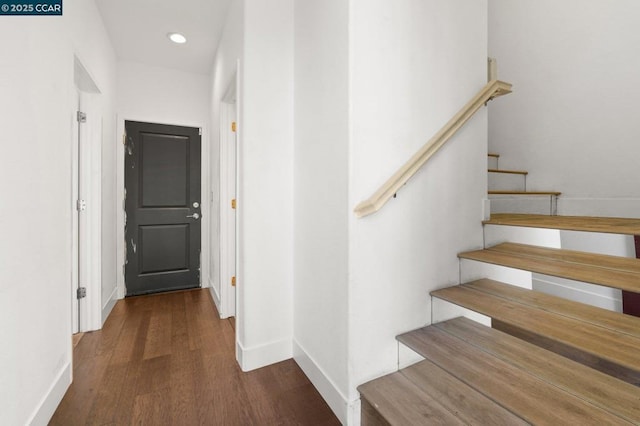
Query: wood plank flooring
{"points": [[168, 359]]}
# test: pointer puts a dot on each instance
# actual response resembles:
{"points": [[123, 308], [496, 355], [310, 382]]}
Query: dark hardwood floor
{"points": [[168, 359]]}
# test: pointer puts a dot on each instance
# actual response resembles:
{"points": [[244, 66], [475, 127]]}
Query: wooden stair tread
{"points": [[605, 318], [510, 172], [532, 193], [612, 225], [609, 351], [400, 402], [612, 395], [533, 399], [612, 271], [426, 394]]}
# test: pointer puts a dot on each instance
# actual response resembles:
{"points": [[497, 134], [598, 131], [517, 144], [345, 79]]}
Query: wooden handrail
{"points": [[379, 198]]}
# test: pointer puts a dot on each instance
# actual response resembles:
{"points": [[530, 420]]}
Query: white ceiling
{"points": [[138, 30]]}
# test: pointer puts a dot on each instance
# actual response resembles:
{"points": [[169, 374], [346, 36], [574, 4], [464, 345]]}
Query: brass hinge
{"points": [[234, 126], [233, 203], [233, 281]]}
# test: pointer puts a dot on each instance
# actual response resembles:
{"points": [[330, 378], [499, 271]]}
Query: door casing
{"points": [[229, 141], [86, 173]]}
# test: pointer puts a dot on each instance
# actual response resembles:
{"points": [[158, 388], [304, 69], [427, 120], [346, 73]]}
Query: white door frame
{"points": [[75, 217], [229, 140], [87, 224], [121, 255]]}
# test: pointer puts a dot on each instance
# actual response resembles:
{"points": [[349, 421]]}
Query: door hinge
{"points": [[234, 126], [81, 205], [81, 117], [233, 281], [233, 203], [81, 292], [199, 131]]}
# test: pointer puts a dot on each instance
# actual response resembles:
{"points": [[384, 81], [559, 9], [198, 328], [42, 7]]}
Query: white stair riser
{"points": [[590, 294], [472, 270], [492, 163], [442, 310], [506, 182], [522, 204], [590, 242], [407, 357], [496, 234]]}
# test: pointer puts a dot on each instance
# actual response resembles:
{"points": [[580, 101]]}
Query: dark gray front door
{"points": [[162, 187]]}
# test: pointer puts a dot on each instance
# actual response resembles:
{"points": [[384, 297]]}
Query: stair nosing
{"points": [[615, 226], [544, 317], [532, 193], [509, 172], [611, 277], [627, 320]]}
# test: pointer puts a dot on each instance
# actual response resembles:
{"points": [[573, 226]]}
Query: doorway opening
{"points": [[85, 203]]}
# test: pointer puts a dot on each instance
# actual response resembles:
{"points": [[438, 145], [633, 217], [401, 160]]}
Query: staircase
{"points": [[544, 360], [508, 190]]}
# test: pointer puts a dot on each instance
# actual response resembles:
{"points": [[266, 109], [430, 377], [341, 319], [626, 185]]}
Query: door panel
{"points": [[162, 187]]}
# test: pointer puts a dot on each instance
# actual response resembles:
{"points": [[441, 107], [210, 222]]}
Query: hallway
{"points": [[167, 359]]}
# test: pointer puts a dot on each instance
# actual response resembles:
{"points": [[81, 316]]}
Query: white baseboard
{"points": [[108, 306], [52, 399], [263, 355], [216, 299], [337, 401]]}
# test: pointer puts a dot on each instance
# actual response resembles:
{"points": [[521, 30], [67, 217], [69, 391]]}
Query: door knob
{"points": [[196, 216]]}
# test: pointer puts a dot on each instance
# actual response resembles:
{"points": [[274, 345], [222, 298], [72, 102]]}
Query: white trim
{"points": [[91, 306], [87, 172], [263, 355], [337, 401], [228, 191], [204, 196], [108, 306], [75, 250], [215, 296], [49, 403]]}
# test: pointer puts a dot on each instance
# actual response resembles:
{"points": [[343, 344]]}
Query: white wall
{"points": [[415, 63], [165, 96], [37, 110], [265, 187], [321, 209], [571, 121]]}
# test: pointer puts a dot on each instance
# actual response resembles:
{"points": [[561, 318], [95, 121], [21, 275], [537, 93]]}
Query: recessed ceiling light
{"points": [[177, 38]]}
